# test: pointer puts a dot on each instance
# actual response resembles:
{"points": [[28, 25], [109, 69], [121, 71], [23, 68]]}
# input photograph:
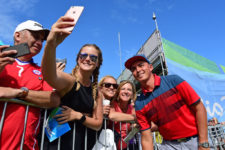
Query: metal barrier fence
{"points": [[216, 133], [6, 101]]}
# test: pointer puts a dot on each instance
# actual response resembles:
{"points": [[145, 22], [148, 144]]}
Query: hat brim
{"points": [[134, 59], [45, 30]]}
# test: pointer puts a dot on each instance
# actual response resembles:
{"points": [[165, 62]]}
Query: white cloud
{"points": [[9, 11]]}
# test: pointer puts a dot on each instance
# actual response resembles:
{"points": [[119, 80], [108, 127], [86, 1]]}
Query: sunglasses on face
{"points": [[93, 58], [108, 85], [38, 35]]}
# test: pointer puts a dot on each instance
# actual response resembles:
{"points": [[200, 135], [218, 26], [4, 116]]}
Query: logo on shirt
{"points": [[37, 72]]}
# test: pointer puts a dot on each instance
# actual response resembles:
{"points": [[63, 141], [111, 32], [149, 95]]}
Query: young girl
{"points": [[80, 99]]}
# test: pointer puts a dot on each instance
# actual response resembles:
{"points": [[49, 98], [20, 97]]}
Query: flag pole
{"points": [[162, 57], [156, 24], [120, 53]]}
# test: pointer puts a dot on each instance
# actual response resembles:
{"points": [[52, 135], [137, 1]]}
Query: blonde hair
{"points": [[116, 97], [95, 73], [100, 84]]}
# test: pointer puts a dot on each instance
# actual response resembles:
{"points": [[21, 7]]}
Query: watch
{"points": [[82, 119], [24, 92], [204, 144]]}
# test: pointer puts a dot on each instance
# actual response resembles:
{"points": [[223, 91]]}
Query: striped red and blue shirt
{"points": [[168, 106]]}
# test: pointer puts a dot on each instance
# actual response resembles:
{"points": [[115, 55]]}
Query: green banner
{"points": [[188, 58]]}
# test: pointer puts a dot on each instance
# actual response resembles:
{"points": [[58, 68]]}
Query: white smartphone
{"points": [[74, 12]]}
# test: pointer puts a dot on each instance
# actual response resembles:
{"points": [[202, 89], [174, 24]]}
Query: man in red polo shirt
{"points": [[4, 59], [173, 105], [22, 78]]}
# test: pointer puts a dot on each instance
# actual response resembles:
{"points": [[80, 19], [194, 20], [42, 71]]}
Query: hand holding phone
{"points": [[61, 64], [22, 49], [6, 53], [64, 60], [4, 57], [74, 12]]}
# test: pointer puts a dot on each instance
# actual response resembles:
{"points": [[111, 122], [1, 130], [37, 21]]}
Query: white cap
{"points": [[31, 25]]}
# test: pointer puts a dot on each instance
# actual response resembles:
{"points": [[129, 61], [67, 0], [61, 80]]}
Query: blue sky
{"points": [[198, 25]]}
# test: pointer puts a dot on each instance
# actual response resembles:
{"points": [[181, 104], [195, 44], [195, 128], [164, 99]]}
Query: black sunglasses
{"points": [[93, 58], [108, 85]]}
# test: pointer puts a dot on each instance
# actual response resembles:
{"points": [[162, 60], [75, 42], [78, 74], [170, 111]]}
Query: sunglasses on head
{"points": [[108, 85], [93, 58]]}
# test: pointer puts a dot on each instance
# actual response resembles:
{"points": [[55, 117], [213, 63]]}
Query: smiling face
{"points": [[107, 88], [87, 57], [141, 71], [34, 39], [126, 93]]}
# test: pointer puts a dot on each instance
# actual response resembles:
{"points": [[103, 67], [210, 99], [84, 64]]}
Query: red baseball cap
{"points": [[135, 58]]}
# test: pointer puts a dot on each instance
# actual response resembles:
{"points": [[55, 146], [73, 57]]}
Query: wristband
{"points": [[204, 144], [82, 119], [24, 93]]}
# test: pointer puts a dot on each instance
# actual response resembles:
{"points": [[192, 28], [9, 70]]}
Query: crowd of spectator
{"points": [[167, 104]]}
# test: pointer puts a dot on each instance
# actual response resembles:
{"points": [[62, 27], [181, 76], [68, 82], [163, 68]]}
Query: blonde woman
{"points": [[80, 99], [108, 87]]}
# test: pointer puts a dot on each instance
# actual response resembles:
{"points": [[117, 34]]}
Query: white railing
{"points": [[217, 135], [6, 101]]}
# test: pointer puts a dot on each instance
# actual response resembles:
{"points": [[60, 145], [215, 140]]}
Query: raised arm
{"points": [[57, 79]]}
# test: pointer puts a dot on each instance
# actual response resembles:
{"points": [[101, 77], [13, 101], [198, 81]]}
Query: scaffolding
{"points": [[153, 50]]}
